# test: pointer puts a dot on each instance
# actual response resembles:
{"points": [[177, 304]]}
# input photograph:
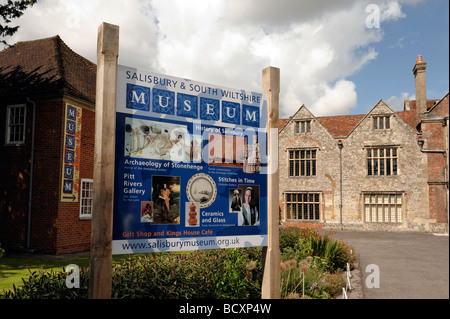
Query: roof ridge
{"points": [[58, 56], [85, 61]]}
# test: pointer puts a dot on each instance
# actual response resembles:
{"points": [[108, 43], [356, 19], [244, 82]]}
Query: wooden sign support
{"points": [[104, 153], [271, 254]]}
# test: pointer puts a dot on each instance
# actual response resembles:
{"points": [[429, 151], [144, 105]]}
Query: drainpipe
{"points": [[30, 194], [444, 126], [340, 146]]}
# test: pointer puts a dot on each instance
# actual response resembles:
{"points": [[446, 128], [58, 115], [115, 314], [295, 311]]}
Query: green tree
{"points": [[12, 9]]}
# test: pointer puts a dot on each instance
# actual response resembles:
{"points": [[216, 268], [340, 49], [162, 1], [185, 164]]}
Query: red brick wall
{"points": [[433, 135], [55, 226], [47, 164], [14, 177]]}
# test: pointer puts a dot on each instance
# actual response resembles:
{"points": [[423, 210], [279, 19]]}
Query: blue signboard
{"points": [[191, 163]]}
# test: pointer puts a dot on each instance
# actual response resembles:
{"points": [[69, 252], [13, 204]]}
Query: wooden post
{"points": [[100, 279], [271, 254]]}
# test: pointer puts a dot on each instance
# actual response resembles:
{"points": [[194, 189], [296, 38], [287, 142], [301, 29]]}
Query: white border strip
{"points": [[135, 246]]}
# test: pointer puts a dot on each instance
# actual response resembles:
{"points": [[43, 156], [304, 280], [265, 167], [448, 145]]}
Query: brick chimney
{"points": [[421, 88]]}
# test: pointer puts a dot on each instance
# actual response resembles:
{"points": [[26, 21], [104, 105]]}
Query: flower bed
{"points": [[312, 265]]}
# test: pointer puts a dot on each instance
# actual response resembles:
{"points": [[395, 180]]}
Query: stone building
{"points": [[384, 170]]}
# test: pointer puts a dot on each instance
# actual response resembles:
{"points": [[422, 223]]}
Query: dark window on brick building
{"points": [[15, 124]]}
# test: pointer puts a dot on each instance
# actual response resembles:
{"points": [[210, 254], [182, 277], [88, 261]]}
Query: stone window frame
{"points": [[382, 158], [382, 207], [308, 203], [302, 127], [381, 122], [295, 162]]}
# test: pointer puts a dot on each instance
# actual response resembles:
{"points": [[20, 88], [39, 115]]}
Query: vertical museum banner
{"points": [[191, 165], [70, 178]]}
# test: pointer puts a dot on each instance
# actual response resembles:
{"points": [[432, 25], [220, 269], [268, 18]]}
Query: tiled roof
{"points": [[46, 67], [410, 117], [342, 125]]}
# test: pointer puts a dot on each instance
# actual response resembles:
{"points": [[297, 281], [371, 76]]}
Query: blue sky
{"points": [[424, 31], [329, 60]]}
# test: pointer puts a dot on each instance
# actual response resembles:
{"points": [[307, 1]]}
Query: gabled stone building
{"points": [[384, 170]]}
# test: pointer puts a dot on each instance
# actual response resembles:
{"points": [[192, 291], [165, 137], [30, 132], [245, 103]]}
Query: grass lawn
{"points": [[14, 268]]}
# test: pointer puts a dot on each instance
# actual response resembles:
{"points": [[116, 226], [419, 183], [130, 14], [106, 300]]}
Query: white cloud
{"points": [[391, 11], [397, 102], [337, 99], [316, 44]]}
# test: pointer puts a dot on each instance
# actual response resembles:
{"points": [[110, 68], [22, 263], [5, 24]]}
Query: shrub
{"points": [[225, 273], [289, 236], [48, 285]]}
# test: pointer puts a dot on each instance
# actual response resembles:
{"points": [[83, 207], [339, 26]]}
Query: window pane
{"points": [[381, 122], [300, 211], [393, 213], [382, 166], [388, 122], [308, 126], [375, 123], [386, 213]]}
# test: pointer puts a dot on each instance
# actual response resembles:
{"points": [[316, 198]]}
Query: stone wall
{"points": [[410, 183]]}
